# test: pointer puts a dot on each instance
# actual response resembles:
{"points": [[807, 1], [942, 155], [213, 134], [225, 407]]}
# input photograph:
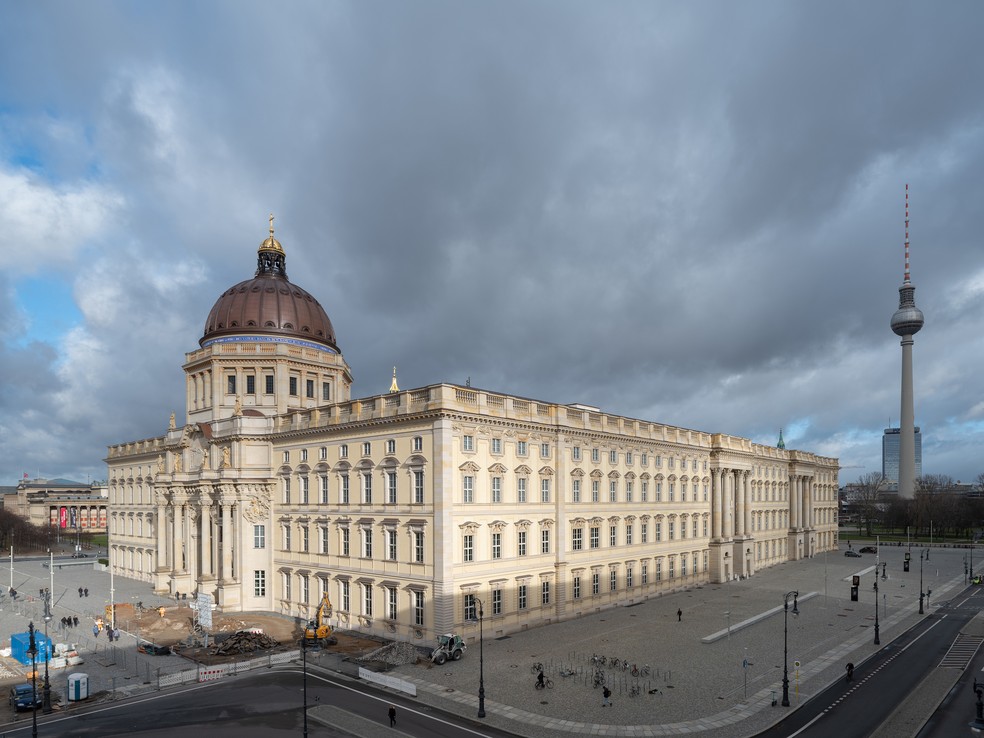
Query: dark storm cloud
{"points": [[691, 215]]}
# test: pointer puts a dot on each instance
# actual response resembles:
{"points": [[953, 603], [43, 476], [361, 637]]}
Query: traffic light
{"points": [[855, 583]]}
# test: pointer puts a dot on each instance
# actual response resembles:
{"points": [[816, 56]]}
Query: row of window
{"points": [[628, 490], [344, 541], [293, 386], [522, 449], [390, 491], [417, 445]]}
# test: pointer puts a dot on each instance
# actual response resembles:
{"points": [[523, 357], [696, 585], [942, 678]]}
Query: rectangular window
{"points": [[628, 491], [521, 448], [418, 443], [309, 389], [521, 543], [343, 451], [576, 490], [576, 453], [323, 490], [497, 545], [628, 457], [345, 490], [366, 488], [545, 541], [672, 491], [628, 577], [521, 597], [544, 450], [595, 487], [391, 545], [418, 546], [577, 588], [231, 384], [628, 534], [323, 533], [613, 580], [259, 583], [612, 535], [418, 607], [696, 529], [305, 541], [305, 589], [705, 528], [613, 491], [346, 540], [469, 547], [496, 489], [645, 572], [658, 460], [595, 536], [391, 603], [497, 602], [577, 539], [391, 487], [268, 384], [595, 583], [259, 536], [367, 448], [391, 446], [468, 443], [326, 391], [418, 486], [659, 491], [683, 566], [613, 457], [683, 527], [286, 584], [671, 567], [497, 445], [595, 455], [644, 460], [471, 608], [521, 489], [367, 600], [644, 532], [671, 531], [468, 489], [286, 531], [367, 543], [659, 532], [286, 457], [346, 602], [293, 386], [250, 384], [305, 488], [545, 593], [286, 489], [645, 491], [544, 490]]}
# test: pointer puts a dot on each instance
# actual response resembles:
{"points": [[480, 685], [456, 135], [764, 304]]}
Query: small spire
{"points": [[907, 233], [782, 443], [394, 387], [271, 225]]}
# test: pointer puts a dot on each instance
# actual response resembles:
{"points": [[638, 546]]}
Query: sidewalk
{"points": [[700, 672]]}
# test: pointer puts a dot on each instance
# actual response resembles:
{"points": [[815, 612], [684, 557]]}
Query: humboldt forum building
{"points": [[410, 506]]}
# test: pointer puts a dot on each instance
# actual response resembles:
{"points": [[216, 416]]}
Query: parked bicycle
{"points": [[597, 660], [599, 678], [634, 691], [643, 672]]}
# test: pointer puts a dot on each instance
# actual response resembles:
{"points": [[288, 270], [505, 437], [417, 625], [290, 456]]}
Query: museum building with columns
{"points": [[410, 506]]}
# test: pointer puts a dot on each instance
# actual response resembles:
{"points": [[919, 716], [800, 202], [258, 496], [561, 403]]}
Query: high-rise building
{"points": [[891, 445], [409, 505], [906, 322]]}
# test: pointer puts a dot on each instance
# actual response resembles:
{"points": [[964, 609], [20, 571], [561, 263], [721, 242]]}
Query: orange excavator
{"points": [[318, 632]]}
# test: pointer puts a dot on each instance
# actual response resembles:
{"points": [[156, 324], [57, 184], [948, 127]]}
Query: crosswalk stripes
{"points": [[961, 652]]}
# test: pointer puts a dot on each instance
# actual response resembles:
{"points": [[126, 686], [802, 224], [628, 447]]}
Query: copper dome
{"points": [[269, 304]]}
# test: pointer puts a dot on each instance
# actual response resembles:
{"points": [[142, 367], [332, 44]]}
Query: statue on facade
{"points": [[226, 463], [204, 458], [160, 463], [238, 409], [171, 424], [177, 463]]}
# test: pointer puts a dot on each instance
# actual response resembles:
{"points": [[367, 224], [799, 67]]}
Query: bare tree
{"points": [[866, 499]]}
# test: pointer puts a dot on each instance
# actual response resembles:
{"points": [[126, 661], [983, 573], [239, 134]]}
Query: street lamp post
{"points": [[877, 639], [972, 537], [46, 690], [481, 659], [921, 556], [304, 690], [32, 651], [785, 643]]}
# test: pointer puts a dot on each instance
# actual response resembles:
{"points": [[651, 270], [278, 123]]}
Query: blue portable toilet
{"points": [[20, 643]]}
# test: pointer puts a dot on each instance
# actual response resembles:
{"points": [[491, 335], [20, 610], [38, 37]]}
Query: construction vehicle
{"points": [[449, 646], [318, 632]]}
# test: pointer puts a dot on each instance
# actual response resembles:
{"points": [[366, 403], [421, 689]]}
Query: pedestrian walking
{"points": [[95, 631], [86, 591], [80, 592], [75, 621], [606, 693], [679, 615], [392, 716], [109, 634]]}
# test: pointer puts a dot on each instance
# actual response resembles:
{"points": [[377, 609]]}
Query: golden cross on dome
{"points": [[271, 225]]}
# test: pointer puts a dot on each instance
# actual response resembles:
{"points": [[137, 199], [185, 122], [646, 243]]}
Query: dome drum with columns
{"points": [[279, 486]]}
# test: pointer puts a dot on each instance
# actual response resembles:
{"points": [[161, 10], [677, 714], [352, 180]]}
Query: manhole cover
{"points": [[449, 689]]}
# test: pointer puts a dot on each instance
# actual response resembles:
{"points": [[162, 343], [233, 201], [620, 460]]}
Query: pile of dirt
{"points": [[398, 653], [245, 641]]}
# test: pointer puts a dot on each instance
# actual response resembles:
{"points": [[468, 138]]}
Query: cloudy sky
{"points": [[691, 213]]}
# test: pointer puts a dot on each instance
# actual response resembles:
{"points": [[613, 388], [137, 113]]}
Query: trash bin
{"points": [[78, 687]]}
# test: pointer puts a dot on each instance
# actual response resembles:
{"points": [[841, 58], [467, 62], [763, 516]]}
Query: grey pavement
{"points": [[707, 680]]}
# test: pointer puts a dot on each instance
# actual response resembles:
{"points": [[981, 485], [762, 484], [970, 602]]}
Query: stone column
{"points": [[227, 537], [747, 494], [205, 536], [161, 523], [716, 503], [729, 503], [178, 565], [740, 502]]}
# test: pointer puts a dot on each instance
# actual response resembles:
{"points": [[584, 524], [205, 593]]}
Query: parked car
{"points": [[152, 649], [21, 697], [852, 552], [868, 550]]}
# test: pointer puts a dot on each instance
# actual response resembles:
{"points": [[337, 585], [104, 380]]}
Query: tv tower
{"points": [[906, 322]]}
